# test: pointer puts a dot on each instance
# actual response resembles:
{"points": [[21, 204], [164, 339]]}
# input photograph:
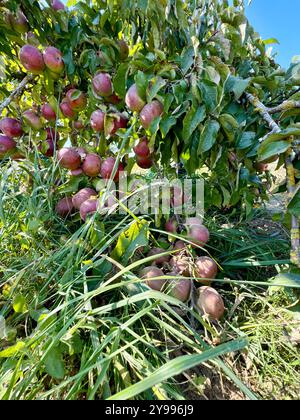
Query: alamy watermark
{"points": [[3, 333], [158, 196]]}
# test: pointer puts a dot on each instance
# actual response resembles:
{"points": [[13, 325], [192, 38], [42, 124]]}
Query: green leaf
{"points": [[236, 85], [186, 60], [19, 304], [142, 83], [54, 364], [166, 124], [12, 350], [135, 237], [229, 125], [191, 121], [156, 85], [284, 134], [208, 136], [119, 81], [268, 150], [246, 140], [209, 94], [291, 280]]}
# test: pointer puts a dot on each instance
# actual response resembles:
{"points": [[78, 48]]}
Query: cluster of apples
{"points": [[172, 274], [12, 129]]}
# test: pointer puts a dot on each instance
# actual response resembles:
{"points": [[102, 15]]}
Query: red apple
{"points": [[32, 59], [150, 273], [92, 165], [78, 125], [32, 119], [7, 146], [76, 172], [133, 100], [52, 134], [102, 84], [82, 196], [107, 169], [119, 121], [66, 110], [142, 149], [57, 5], [48, 112], [178, 287], [205, 268], [171, 226], [210, 302], [198, 235], [47, 148], [97, 120], [19, 22], [113, 99], [69, 158], [150, 112], [144, 163], [54, 60], [11, 127], [77, 99], [64, 207], [88, 208]]}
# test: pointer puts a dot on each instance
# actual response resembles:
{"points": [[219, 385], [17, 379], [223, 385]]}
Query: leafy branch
{"points": [[292, 187], [17, 92]]}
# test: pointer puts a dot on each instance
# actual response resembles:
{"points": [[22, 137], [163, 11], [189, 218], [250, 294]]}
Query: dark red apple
{"points": [[97, 120], [144, 163], [107, 169], [179, 287], [11, 127], [54, 60], [77, 99], [76, 172], [48, 112], [142, 149], [66, 110], [171, 226], [32, 59], [150, 112], [7, 146], [57, 5], [82, 196], [198, 235], [78, 125], [32, 119], [47, 148], [69, 158], [150, 273], [159, 260], [92, 165], [64, 207], [88, 208], [19, 22], [133, 100], [102, 84], [52, 134], [113, 99], [205, 268]]}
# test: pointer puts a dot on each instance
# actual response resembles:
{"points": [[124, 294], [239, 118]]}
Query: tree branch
{"points": [[285, 106], [17, 92], [264, 112], [291, 179]]}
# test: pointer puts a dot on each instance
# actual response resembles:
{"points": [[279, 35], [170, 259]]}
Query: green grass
{"points": [[87, 328]]}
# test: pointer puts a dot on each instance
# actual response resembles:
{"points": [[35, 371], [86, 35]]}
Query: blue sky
{"points": [[278, 19]]}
